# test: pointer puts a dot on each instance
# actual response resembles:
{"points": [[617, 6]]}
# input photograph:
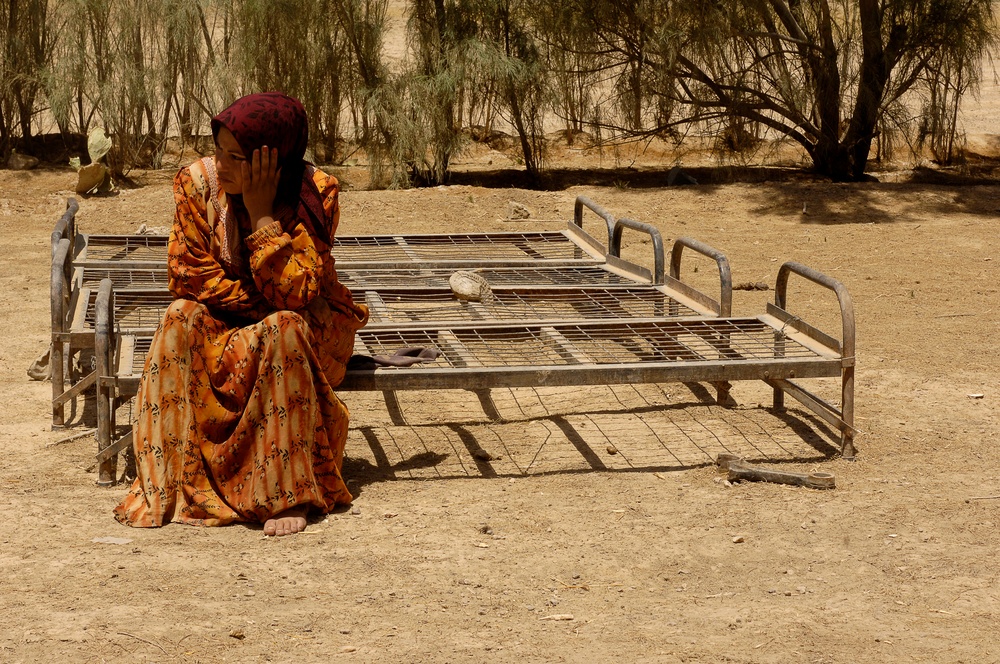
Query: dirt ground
{"points": [[558, 550]]}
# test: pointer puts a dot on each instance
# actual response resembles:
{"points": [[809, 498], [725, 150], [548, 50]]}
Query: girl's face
{"points": [[229, 160]]}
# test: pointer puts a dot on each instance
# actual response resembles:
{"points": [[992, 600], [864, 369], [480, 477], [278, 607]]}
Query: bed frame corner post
{"points": [[847, 413], [104, 346]]}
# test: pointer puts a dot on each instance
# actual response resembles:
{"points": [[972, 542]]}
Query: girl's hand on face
{"points": [[260, 185]]}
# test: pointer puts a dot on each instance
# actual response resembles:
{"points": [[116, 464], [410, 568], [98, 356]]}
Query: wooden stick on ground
{"points": [[72, 437]]}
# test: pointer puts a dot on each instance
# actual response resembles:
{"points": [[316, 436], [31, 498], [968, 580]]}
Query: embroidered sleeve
{"points": [[289, 264], [193, 271]]}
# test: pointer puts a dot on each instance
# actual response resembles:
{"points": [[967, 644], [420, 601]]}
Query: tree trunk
{"points": [[832, 158], [5, 143], [530, 161], [876, 65]]}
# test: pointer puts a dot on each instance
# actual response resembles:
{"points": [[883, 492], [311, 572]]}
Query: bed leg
{"points": [[58, 383], [847, 413], [723, 396], [106, 469], [779, 399], [105, 389], [847, 446], [395, 410]]}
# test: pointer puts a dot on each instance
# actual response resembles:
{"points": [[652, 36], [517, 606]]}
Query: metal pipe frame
{"points": [[615, 246], [848, 344]]}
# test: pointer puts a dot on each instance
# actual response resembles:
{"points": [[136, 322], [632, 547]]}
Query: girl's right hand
{"points": [[260, 185]]}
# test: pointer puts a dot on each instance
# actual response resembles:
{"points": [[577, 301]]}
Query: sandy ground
{"points": [[646, 554]]}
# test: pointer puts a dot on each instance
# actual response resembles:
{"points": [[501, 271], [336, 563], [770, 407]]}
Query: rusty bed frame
{"points": [[571, 245], [629, 325], [776, 347]]}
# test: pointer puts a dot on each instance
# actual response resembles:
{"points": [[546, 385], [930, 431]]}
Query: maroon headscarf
{"points": [[277, 121]]}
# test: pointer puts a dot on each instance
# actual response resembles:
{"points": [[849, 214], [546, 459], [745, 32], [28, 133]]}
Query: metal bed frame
{"points": [[73, 287], [775, 347], [404, 256], [139, 310], [568, 256], [581, 319], [572, 245]]}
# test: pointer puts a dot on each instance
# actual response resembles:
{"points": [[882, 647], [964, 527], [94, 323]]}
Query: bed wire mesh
{"points": [[732, 341], [388, 306], [140, 349], [126, 247], [569, 275], [141, 308], [728, 340], [122, 276], [134, 310], [553, 246], [494, 246]]}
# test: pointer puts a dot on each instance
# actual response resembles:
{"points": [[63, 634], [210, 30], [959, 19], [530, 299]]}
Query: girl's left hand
{"points": [[260, 185]]}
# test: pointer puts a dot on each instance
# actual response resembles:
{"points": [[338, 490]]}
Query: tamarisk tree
{"points": [[827, 74]]}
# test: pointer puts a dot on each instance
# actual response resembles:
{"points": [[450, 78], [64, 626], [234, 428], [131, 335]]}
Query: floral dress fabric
{"points": [[237, 416]]}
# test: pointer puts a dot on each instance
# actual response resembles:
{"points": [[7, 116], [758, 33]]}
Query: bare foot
{"points": [[289, 522]]}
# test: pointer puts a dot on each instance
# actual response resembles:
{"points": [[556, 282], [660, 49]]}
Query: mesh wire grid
{"points": [[389, 306], [126, 247], [133, 310], [139, 352], [496, 246], [385, 248], [567, 275], [124, 277], [729, 340]]}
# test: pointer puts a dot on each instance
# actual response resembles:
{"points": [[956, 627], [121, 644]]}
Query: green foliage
{"points": [[506, 59], [26, 43], [836, 76], [264, 46], [575, 71], [828, 74]]}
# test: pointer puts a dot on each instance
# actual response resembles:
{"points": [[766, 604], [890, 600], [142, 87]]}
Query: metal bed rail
{"points": [[61, 302], [775, 347], [65, 228], [141, 305], [842, 418], [571, 245]]}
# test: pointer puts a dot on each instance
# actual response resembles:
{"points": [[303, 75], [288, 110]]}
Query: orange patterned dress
{"points": [[237, 418]]}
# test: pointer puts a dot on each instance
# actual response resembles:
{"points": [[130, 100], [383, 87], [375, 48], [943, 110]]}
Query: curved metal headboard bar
{"points": [[725, 275], [584, 202], [59, 284], [615, 247], [66, 226], [817, 277]]}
